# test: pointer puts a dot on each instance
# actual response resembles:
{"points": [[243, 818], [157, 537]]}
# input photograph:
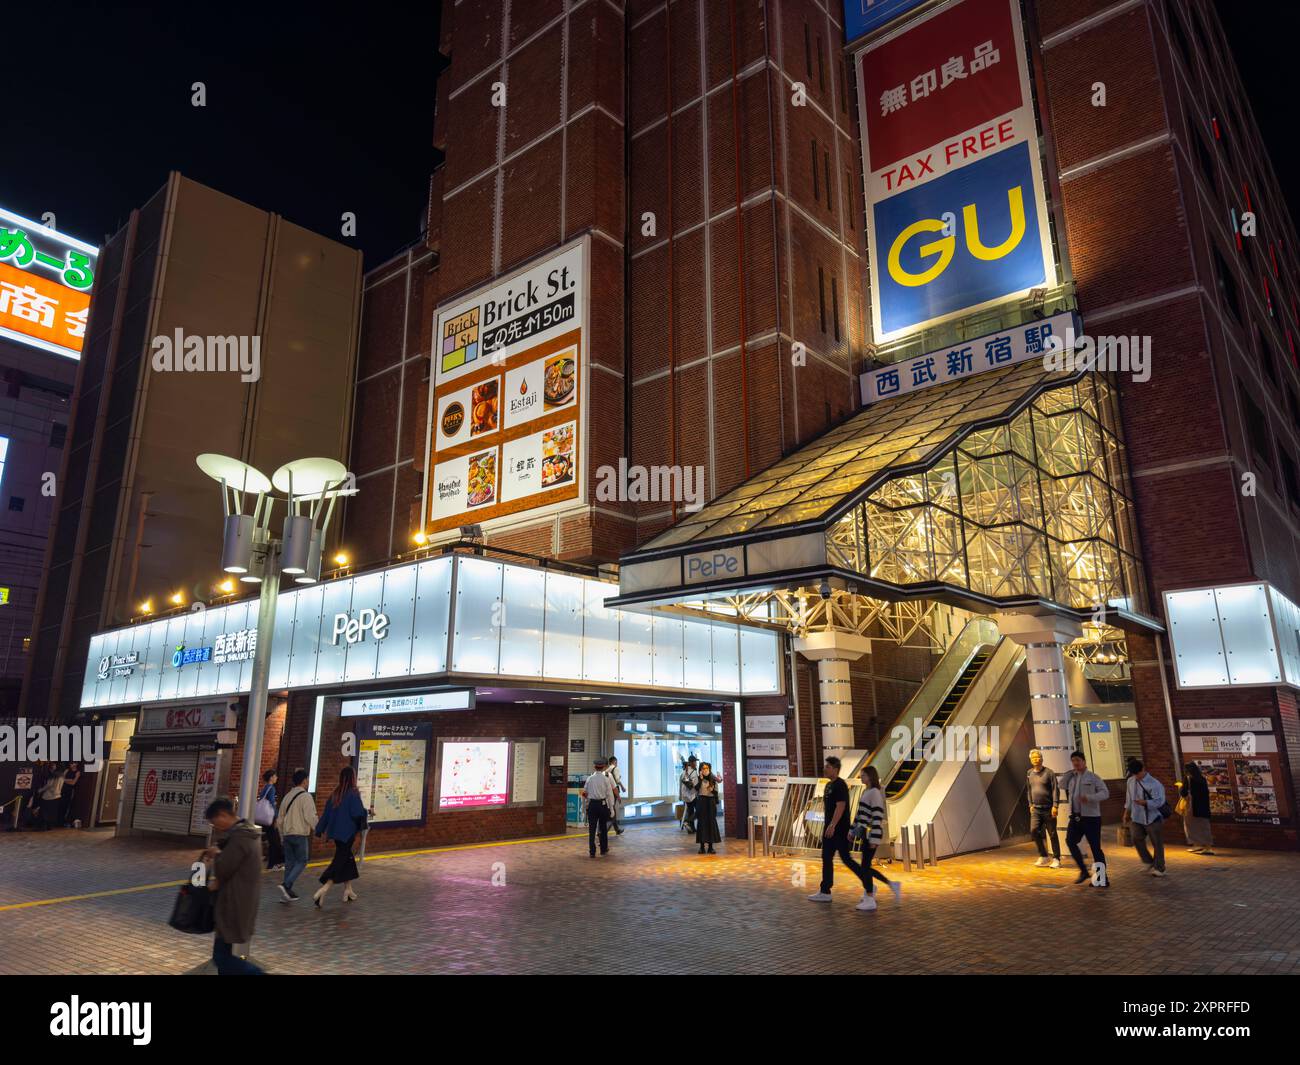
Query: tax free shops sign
{"points": [[45, 282], [956, 212]]}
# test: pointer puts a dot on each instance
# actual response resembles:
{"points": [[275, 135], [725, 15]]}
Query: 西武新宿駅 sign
{"points": [[506, 419], [956, 213], [45, 283], [994, 351]]}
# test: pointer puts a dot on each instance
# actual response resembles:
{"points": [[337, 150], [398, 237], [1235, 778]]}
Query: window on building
{"points": [[1265, 356], [4, 450], [844, 91], [1290, 476], [807, 47], [826, 169], [848, 198], [58, 434], [816, 188], [821, 66], [821, 295], [835, 306], [17, 503], [1227, 286], [1257, 435]]}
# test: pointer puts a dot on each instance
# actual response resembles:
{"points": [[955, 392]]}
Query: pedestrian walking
{"points": [[835, 833], [236, 875], [688, 785], [264, 815], [599, 793], [1042, 790], [1083, 792], [616, 779], [295, 823], [871, 826], [1194, 801], [52, 796], [69, 794], [1145, 809], [343, 819], [706, 809]]}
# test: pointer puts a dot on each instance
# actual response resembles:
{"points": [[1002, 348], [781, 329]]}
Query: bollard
{"points": [[934, 847], [767, 852], [919, 842], [750, 841], [904, 836]]}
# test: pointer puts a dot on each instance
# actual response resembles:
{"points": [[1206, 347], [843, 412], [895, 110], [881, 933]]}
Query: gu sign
{"points": [[45, 283], [354, 630]]}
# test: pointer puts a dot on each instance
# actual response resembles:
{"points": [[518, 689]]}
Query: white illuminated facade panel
{"points": [[1236, 635], [506, 620]]}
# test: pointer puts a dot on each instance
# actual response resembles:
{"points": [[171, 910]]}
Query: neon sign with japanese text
{"points": [[46, 279]]}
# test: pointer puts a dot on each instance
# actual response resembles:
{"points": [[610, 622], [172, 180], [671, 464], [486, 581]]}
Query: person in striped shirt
{"points": [[869, 826]]}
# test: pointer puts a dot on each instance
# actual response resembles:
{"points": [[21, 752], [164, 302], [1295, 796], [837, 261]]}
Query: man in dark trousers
{"points": [[599, 790], [1084, 791], [237, 877], [835, 834], [1042, 809]]}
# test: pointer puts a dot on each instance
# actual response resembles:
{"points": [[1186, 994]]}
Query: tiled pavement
{"points": [[654, 906]]}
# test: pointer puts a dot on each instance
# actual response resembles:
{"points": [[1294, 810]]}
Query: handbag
{"points": [[1181, 808], [264, 811], [194, 911]]}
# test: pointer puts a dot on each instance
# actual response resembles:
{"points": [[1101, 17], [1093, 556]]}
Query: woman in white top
{"points": [[870, 826]]}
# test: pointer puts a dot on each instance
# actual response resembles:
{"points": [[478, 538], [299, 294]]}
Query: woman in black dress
{"points": [[706, 810]]}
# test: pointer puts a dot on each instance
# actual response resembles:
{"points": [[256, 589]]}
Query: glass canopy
{"points": [[1005, 487]]}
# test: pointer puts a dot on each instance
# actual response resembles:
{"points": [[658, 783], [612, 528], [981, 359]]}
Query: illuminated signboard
{"points": [[506, 413], [956, 213], [473, 773], [45, 283], [863, 16]]}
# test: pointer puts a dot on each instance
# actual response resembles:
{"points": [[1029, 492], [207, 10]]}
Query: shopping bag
{"points": [[193, 911], [1125, 835]]}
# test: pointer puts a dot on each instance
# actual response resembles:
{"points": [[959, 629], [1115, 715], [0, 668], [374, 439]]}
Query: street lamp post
{"points": [[309, 489]]}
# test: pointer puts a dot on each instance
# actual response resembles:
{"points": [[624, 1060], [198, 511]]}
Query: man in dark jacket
{"points": [[236, 875]]}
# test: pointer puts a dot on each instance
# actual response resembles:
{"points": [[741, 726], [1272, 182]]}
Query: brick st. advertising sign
{"points": [[956, 214], [506, 410], [45, 283]]}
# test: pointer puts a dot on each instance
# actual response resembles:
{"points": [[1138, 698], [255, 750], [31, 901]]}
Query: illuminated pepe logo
{"points": [[944, 247]]}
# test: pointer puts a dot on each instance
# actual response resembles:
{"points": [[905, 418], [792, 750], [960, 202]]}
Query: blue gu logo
{"points": [[961, 240]]}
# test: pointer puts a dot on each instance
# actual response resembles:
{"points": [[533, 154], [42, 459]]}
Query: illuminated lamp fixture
{"points": [[341, 559], [473, 533], [237, 479], [311, 487], [146, 607], [419, 539], [177, 599], [227, 586]]}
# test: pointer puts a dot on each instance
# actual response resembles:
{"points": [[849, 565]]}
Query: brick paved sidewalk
{"points": [[655, 906]]}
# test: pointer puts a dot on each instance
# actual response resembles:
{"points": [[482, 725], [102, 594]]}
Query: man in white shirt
{"points": [[615, 778], [1143, 798], [599, 793]]}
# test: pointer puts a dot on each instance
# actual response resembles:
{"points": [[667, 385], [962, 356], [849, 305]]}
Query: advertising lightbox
{"points": [[507, 408], [45, 283], [956, 211], [473, 773], [863, 16]]}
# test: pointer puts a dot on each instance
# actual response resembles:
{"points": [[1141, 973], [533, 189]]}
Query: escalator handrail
{"points": [[977, 634]]}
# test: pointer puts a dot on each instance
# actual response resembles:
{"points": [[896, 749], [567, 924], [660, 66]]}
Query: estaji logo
{"points": [[961, 240]]}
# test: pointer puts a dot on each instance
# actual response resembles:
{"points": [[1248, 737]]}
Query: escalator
{"points": [[906, 770]]}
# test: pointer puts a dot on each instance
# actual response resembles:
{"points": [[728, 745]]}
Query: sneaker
{"points": [[1205, 850], [820, 896], [867, 904], [1082, 877], [1157, 872], [291, 893], [285, 894], [1041, 863], [1055, 863], [897, 889]]}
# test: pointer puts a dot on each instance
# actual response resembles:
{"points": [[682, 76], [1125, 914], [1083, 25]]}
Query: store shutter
{"points": [[164, 793]]}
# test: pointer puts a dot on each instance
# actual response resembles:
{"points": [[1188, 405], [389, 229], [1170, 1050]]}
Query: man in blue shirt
{"points": [[1144, 797]]}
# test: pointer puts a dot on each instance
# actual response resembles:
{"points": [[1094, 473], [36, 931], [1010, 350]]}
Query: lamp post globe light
{"points": [[309, 489]]}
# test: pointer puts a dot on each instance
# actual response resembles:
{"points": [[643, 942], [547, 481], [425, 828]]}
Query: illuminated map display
{"points": [[392, 772]]}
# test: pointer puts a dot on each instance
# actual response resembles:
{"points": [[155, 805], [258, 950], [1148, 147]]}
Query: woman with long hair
{"points": [[264, 815], [344, 818], [1195, 795], [706, 809], [870, 826]]}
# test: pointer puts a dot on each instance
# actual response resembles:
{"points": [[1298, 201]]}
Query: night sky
{"points": [[313, 111]]}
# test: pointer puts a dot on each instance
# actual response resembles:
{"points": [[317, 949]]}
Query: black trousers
{"points": [[839, 844], [872, 873], [1042, 823], [1088, 828], [598, 822]]}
